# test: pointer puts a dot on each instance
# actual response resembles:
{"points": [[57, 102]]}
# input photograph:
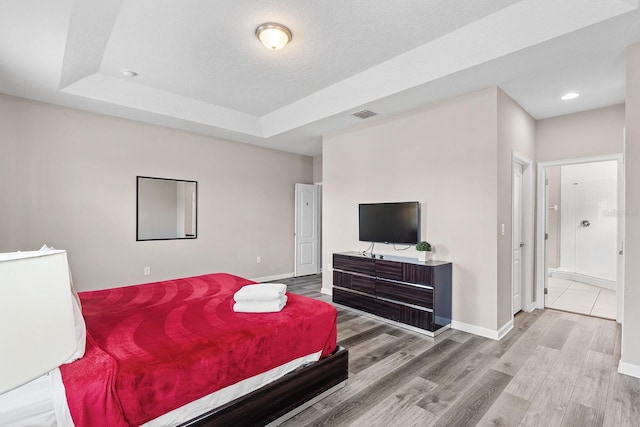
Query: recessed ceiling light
{"points": [[128, 73], [273, 36], [570, 95]]}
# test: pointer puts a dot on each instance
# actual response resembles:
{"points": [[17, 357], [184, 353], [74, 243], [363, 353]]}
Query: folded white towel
{"points": [[260, 292], [272, 306]]}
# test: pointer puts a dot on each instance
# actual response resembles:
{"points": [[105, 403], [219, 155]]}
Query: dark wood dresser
{"points": [[403, 290]]}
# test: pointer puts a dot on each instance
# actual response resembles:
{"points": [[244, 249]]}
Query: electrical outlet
{"points": [[259, 259], [147, 271]]}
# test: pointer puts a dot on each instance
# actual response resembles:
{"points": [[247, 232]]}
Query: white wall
{"points": [[69, 180], [586, 134], [630, 362], [446, 158], [317, 169]]}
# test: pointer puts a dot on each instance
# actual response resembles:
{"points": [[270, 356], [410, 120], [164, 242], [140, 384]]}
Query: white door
{"points": [[517, 242], [307, 239]]}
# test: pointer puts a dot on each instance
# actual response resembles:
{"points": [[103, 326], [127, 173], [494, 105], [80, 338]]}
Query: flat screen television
{"points": [[389, 222]]}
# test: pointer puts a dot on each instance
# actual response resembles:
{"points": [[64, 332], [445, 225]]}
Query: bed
{"points": [[175, 353]]}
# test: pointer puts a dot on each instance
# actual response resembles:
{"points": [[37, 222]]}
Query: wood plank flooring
{"points": [[552, 369]]}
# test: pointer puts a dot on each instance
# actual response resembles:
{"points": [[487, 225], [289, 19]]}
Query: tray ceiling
{"points": [[200, 67]]}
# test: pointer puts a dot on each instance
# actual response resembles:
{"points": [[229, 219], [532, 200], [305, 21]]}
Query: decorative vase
{"points": [[423, 256]]}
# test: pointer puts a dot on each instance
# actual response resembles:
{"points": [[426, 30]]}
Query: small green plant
{"points": [[423, 246]]}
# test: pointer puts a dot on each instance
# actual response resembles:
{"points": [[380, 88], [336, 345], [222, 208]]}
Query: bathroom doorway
{"points": [[583, 236]]}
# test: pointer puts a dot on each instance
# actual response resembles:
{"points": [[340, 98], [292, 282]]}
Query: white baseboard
{"points": [[505, 329], [270, 278], [326, 291], [483, 332], [629, 369], [582, 278]]}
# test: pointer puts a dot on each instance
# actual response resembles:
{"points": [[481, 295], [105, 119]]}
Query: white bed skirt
{"points": [[42, 402]]}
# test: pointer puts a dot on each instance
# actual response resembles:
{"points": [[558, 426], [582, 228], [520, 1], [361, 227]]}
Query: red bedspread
{"points": [[155, 347]]}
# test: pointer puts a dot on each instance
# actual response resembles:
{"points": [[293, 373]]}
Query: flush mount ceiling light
{"points": [[570, 95], [273, 36], [128, 73]]}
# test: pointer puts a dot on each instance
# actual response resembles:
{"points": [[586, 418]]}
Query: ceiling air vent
{"points": [[364, 114]]}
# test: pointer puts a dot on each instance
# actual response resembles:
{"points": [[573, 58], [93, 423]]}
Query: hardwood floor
{"points": [[552, 369]]}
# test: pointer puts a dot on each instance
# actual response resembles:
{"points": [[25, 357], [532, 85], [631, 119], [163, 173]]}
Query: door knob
{"points": [[584, 223]]}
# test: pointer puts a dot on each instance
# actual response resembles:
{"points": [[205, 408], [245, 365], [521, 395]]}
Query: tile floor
{"points": [[580, 298]]}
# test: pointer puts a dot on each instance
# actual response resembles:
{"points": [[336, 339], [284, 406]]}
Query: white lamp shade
{"points": [[36, 315], [273, 36]]}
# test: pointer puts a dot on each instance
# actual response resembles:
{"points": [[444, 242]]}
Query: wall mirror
{"points": [[166, 209]]}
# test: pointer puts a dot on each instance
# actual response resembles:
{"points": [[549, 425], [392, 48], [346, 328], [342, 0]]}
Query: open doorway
{"points": [[583, 236]]}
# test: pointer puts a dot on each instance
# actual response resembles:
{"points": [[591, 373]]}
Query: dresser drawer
{"points": [[420, 274], [405, 293], [418, 318], [362, 265], [369, 304], [363, 284], [389, 270], [342, 279]]}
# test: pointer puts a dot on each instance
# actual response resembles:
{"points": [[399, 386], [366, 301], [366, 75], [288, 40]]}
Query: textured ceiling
{"points": [[201, 68]]}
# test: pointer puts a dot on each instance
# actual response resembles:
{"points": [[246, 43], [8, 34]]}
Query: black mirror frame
{"points": [[189, 237]]}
